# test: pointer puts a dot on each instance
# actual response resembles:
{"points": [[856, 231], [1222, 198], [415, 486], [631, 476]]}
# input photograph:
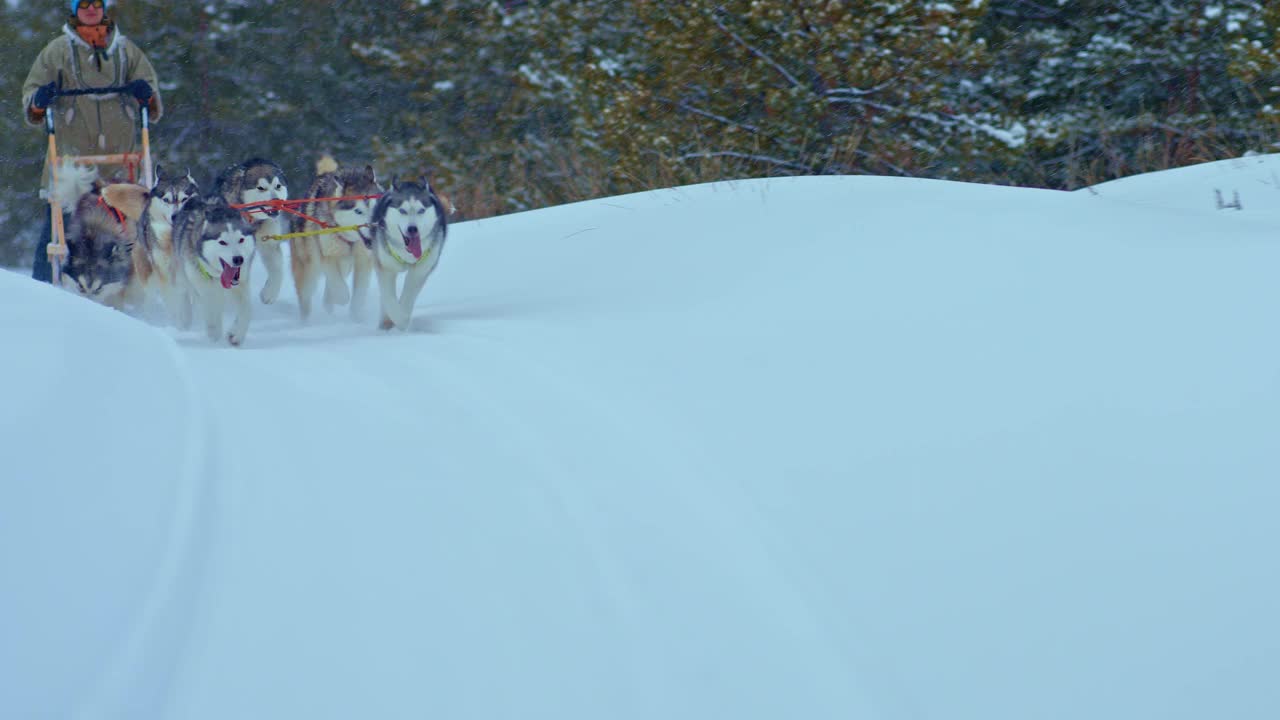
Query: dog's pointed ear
{"points": [[158, 175], [128, 198], [392, 187], [370, 175]]}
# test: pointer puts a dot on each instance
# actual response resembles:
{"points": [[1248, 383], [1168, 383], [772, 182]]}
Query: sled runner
{"points": [[57, 248]]}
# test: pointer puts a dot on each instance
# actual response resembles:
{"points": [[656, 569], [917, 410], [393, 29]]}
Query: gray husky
{"points": [[255, 180], [409, 230], [100, 234], [213, 249], [153, 251], [99, 242], [334, 256]]}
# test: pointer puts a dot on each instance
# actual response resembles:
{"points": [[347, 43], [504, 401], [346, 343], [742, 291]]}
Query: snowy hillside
{"points": [[839, 447]]}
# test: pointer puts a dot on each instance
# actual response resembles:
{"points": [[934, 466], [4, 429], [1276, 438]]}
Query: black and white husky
{"points": [[409, 229], [255, 180], [213, 247]]}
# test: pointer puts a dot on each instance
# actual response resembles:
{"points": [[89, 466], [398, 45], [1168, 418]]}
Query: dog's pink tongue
{"points": [[230, 276], [414, 244]]}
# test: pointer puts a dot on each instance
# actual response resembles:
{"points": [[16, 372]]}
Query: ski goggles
{"points": [[86, 4]]}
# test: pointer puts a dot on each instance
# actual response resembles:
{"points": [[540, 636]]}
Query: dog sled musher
{"points": [[138, 164]]}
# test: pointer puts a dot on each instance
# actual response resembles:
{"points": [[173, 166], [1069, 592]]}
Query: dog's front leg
{"points": [[361, 268], [177, 304], [273, 258], [335, 284], [212, 303], [135, 294], [186, 308], [414, 281], [244, 312], [392, 313]]}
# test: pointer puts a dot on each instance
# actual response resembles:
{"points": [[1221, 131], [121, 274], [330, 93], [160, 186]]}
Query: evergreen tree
{"points": [[285, 81], [493, 110], [1255, 62], [1111, 87], [25, 28], [763, 88]]}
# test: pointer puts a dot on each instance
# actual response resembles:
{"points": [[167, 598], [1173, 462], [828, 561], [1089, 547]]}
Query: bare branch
{"points": [[710, 115], [754, 50], [747, 156]]}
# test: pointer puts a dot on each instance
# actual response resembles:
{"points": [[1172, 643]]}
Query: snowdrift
{"points": [[805, 448]]}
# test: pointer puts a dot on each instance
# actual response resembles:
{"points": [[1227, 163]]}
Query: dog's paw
{"points": [[268, 296], [386, 324], [234, 339]]}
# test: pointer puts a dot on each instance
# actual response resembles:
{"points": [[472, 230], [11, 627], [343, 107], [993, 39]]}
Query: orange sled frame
{"points": [[57, 247]]}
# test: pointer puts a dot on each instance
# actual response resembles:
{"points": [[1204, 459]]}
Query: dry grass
{"points": [[570, 175], [1107, 156]]}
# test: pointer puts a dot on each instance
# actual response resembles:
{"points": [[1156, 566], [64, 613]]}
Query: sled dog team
{"points": [[194, 251]]}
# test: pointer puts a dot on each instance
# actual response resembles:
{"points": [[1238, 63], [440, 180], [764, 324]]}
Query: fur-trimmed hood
{"points": [[114, 33]]}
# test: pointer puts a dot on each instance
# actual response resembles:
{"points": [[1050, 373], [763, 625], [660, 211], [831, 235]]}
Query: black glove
{"points": [[141, 90], [45, 95]]}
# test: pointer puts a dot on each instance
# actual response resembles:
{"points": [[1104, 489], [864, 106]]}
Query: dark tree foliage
{"points": [[516, 104]]}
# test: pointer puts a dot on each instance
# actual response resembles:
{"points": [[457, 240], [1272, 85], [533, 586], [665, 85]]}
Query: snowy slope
{"points": [[805, 448]]}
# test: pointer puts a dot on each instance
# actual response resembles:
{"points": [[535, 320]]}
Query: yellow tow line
{"points": [[309, 233]]}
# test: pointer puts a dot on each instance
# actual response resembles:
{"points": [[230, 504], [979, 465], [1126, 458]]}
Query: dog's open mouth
{"points": [[413, 243], [230, 275]]}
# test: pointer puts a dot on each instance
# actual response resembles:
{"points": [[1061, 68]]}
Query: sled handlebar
{"points": [[59, 92], [92, 91]]}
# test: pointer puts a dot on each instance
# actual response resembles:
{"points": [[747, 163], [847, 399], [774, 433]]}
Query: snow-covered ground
{"points": [[841, 447]]}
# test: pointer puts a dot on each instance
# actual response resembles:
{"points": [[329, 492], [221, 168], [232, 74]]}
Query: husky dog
{"points": [[255, 180], [213, 248], [336, 255], [410, 227], [153, 251], [100, 234]]}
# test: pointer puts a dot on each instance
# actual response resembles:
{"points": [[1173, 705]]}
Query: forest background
{"points": [[513, 106]]}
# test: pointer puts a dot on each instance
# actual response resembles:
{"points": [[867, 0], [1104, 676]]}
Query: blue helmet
{"points": [[75, 5]]}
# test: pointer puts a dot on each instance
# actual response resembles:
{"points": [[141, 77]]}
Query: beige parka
{"points": [[92, 124]]}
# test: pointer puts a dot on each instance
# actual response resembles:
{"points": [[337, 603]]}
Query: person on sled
{"points": [[90, 53]]}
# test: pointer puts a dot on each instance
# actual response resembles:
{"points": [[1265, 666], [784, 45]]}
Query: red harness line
{"points": [[287, 206], [119, 216]]}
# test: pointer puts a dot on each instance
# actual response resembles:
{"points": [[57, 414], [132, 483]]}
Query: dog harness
{"points": [[119, 216], [204, 268], [401, 259]]}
